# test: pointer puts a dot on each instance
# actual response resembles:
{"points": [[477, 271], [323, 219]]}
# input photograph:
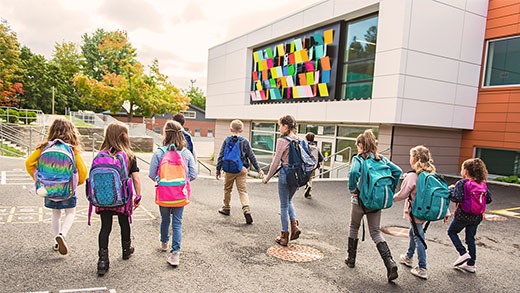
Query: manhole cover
{"points": [[396, 231], [497, 218], [295, 253]]}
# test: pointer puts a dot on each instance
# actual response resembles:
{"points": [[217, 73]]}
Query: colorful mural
{"points": [[302, 67]]}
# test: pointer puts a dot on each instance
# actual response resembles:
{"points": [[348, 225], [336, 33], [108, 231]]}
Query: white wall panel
{"points": [[460, 4], [348, 111], [466, 95], [436, 29], [390, 62], [431, 66], [469, 74], [393, 28], [383, 111], [463, 117], [287, 24], [259, 36], [479, 7], [418, 88], [236, 65], [426, 113], [472, 38], [216, 66], [217, 51], [317, 13], [236, 44], [388, 86]]}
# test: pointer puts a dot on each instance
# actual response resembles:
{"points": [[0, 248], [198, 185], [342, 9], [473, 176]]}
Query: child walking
{"points": [[469, 193], [172, 137], [64, 130], [420, 161], [316, 152], [367, 150], [117, 140], [287, 126], [241, 161]]}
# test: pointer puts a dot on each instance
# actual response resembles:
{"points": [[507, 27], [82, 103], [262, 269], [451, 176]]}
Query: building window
{"points": [[500, 162], [503, 57], [359, 58], [197, 132], [189, 114], [210, 132]]}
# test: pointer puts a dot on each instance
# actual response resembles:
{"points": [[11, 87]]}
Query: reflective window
{"points": [[502, 63], [500, 162], [360, 53]]}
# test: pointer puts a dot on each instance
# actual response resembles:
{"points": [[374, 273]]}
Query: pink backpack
{"points": [[474, 197], [173, 186]]}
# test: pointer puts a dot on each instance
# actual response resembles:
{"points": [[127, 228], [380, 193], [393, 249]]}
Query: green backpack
{"points": [[432, 198], [376, 184]]}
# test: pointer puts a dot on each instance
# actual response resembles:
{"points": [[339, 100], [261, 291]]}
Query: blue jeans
{"points": [[286, 193], [471, 231], [175, 216], [415, 243]]}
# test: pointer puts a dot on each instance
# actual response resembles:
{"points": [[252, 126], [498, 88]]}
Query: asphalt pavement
{"points": [[223, 254]]}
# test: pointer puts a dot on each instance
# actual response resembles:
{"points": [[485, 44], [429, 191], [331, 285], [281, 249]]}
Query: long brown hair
{"points": [[62, 129], [423, 159], [367, 140], [476, 169], [172, 134], [116, 137]]}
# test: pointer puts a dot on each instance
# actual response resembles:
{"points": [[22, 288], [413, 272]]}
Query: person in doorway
{"points": [[316, 152]]}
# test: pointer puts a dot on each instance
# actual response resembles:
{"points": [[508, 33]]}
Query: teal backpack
{"points": [[432, 198], [376, 184]]}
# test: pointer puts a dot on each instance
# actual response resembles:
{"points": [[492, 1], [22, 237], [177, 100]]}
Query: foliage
{"points": [[10, 86], [196, 95], [12, 116], [510, 179], [10, 151], [27, 117]]}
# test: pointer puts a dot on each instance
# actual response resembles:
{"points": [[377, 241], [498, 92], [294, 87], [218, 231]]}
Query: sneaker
{"points": [[225, 212], [419, 272], [462, 259], [249, 218], [467, 268], [307, 193], [164, 246], [407, 261], [62, 245], [55, 247], [173, 259]]}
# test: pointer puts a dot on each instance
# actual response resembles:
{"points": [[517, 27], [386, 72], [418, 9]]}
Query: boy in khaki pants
{"points": [[234, 159]]}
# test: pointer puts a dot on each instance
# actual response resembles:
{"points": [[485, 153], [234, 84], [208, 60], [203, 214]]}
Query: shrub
{"points": [[510, 179], [2, 114], [29, 117], [13, 115]]}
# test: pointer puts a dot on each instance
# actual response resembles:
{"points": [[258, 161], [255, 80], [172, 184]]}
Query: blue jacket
{"points": [[246, 153], [185, 153]]}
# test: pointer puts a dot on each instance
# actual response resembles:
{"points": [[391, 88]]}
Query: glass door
{"points": [[326, 145]]}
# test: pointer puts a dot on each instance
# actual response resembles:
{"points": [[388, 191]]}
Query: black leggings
{"points": [[106, 228]]}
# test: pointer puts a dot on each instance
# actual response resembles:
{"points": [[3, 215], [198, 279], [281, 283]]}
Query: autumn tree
{"points": [[10, 86]]}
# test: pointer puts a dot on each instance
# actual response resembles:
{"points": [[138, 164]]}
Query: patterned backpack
{"points": [[109, 184], [56, 176], [172, 184]]}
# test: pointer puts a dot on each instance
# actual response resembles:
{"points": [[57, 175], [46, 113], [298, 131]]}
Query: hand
{"points": [[261, 173], [446, 219], [137, 201], [451, 186], [217, 176], [264, 181], [355, 195]]}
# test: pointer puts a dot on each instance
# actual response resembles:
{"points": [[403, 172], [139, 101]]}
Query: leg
{"points": [[165, 224], [471, 231], [453, 231], [374, 222], [421, 251], [177, 228], [70, 214], [356, 214], [126, 242], [242, 193], [283, 193], [411, 243], [229, 178], [106, 227], [55, 226]]}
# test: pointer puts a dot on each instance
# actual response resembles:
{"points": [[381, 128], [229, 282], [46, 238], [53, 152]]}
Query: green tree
{"points": [[196, 95], [10, 86]]}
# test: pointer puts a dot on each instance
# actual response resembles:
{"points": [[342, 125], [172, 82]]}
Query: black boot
{"points": [[352, 250], [391, 266], [103, 262], [127, 249]]}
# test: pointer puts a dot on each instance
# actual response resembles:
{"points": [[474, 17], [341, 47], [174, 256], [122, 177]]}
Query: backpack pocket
{"points": [[106, 188], [55, 189]]}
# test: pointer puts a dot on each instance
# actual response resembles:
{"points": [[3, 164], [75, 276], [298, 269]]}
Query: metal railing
{"points": [[12, 135]]}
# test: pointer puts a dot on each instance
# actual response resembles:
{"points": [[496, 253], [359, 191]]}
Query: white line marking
{"points": [[2, 178]]}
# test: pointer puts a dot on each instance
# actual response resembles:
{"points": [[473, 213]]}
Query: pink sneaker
{"points": [[164, 246], [173, 259]]}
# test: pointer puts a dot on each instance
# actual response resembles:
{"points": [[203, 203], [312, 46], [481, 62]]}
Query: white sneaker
{"points": [[462, 259], [467, 268], [419, 272], [405, 260], [173, 258], [55, 247], [164, 246], [62, 245]]}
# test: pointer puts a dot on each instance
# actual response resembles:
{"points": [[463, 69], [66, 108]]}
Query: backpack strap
{"points": [[414, 224]]}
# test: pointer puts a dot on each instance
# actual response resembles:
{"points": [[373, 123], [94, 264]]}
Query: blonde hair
{"points": [[422, 159], [172, 134], [367, 140], [65, 130], [476, 169], [236, 125], [116, 137]]}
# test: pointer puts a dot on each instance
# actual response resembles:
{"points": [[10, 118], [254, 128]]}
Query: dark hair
{"points": [[476, 169], [179, 117], [309, 136], [172, 134], [289, 121]]}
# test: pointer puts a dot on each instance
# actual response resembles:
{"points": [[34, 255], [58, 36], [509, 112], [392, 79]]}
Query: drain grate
{"points": [[395, 231], [295, 253]]}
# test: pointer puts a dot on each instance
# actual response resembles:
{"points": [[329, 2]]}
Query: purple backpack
{"points": [[474, 197]]}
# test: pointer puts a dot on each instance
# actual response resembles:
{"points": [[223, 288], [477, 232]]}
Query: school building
{"points": [[443, 73]]}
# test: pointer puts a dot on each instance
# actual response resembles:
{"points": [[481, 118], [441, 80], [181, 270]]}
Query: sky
{"points": [[176, 32]]}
